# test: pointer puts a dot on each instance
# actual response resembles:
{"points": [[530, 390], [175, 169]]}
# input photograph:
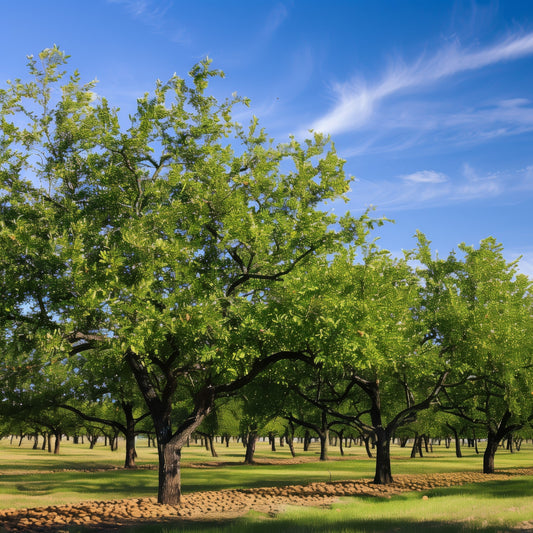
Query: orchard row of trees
{"points": [[171, 264], [238, 419]]}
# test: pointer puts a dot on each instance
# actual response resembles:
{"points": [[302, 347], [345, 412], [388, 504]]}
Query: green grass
{"points": [[491, 507], [31, 478]]}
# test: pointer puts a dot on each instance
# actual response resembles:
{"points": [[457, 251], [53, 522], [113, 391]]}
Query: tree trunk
{"points": [[414, 449], [289, 439], [250, 448], [57, 442], [403, 442], [169, 444], [129, 461], [458, 452], [272, 440], [323, 436], [383, 474], [490, 452], [307, 440], [212, 446], [419, 446], [366, 440], [341, 448], [475, 441], [35, 441], [169, 490]]}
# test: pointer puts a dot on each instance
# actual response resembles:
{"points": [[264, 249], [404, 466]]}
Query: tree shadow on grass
{"points": [[280, 525], [120, 482], [519, 487]]}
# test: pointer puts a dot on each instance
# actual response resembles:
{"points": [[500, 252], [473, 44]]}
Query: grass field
{"points": [[31, 478]]}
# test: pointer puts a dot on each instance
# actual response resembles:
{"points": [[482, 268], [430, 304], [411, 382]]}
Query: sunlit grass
{"points": [[491, 507], [31, 478]]}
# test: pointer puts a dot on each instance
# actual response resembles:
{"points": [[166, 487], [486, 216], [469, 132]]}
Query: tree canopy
{"points": [[157, 241]]}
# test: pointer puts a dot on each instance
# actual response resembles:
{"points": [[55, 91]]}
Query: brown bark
{"points": [[129, 461], [250, 447], [57, 442], [490, 452], [169, 487], [383, 475]]}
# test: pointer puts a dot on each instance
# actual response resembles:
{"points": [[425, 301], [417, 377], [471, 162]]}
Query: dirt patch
{"points": [[215, 505]]}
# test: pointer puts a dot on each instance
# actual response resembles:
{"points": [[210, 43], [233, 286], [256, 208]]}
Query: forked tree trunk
{"points": [[169, 442]]}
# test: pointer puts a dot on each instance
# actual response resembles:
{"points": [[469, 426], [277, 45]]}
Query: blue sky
{"points": [[429, 102]]}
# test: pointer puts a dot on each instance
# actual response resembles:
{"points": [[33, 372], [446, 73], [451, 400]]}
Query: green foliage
{"points": [[481, 309]]}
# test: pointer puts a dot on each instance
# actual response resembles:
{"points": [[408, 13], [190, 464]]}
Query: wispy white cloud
{"points": [[505, 117], [274, 20], [429, 188], [526, 181], [356, 101], [134, 7], [426, 176], [478, 186], [155, 15]]}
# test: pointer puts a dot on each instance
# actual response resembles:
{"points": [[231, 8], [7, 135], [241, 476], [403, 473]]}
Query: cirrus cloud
{"points": [[356, 101]]}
